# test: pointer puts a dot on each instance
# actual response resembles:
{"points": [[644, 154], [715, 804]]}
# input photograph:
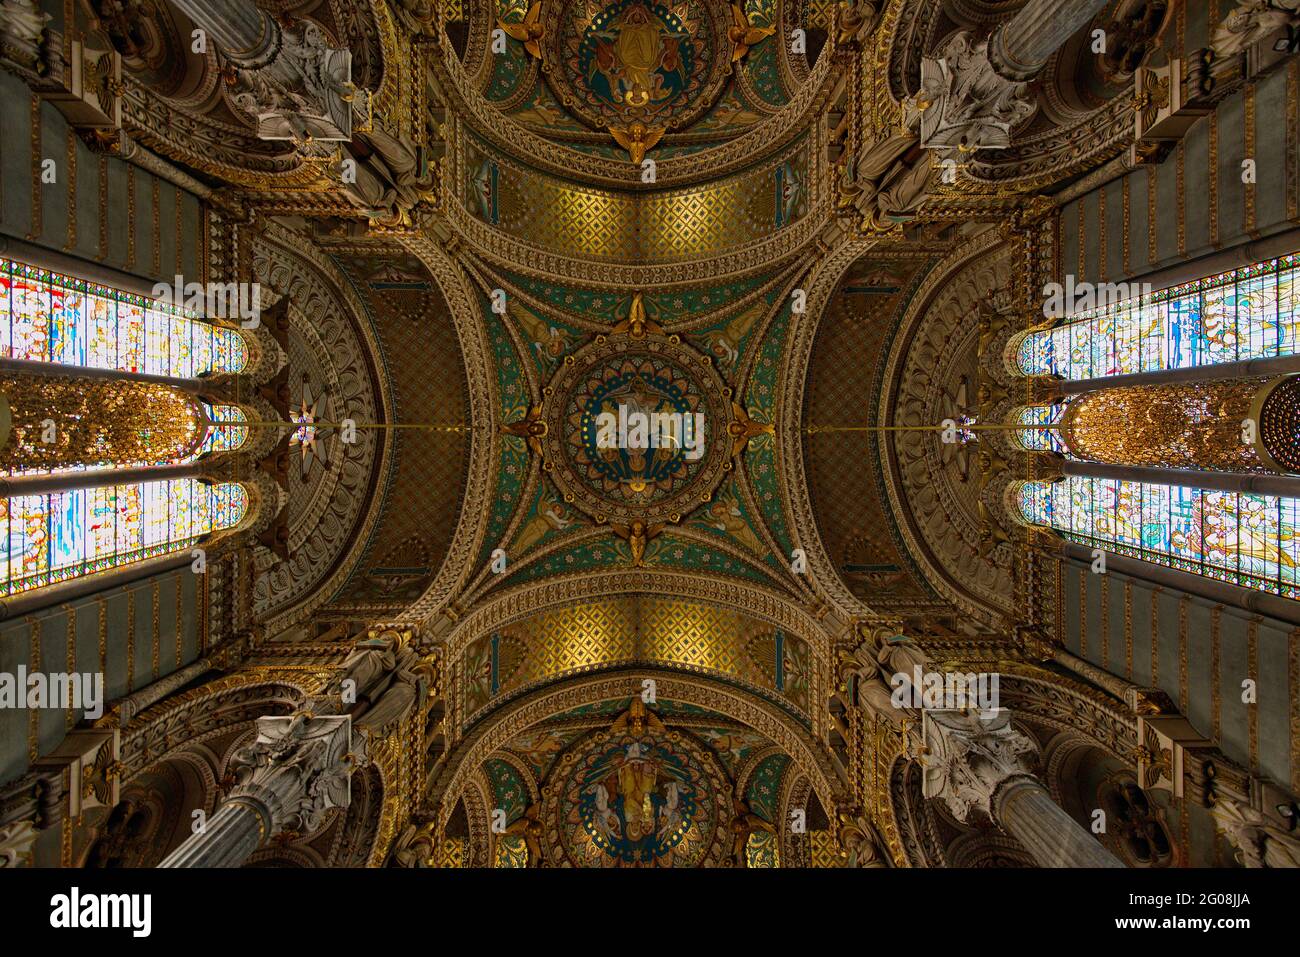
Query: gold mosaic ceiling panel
{"points": [[665, 226], [637, 629]]}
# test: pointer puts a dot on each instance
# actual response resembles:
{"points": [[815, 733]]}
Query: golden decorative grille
{"points": [[1194, 425]]}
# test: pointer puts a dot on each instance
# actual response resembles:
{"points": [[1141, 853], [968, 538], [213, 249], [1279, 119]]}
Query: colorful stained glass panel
{"points": [[1242, 538], [64, 535], [1249, 313], [49, 317]]}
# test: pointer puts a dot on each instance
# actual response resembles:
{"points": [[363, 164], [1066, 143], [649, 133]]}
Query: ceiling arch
{"points": [[507, 723]]}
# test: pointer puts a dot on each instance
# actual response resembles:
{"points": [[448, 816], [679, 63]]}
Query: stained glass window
{"points": [[1248, 313], [225, 433], [48, 317], [1041, 439], [63, 535], [1237, 537]]}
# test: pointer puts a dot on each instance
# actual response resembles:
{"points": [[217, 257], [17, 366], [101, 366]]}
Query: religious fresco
{"points": [[512, 67], [638, 61], [509, 792], [763, 789], [622, 784], [638, 795], [629, 430], [733, 746], [540, 747], [639, 69]]}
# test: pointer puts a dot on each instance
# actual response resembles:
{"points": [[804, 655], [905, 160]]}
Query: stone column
{"points": [[239, 827], [1022, 46], [296, 86], [978, 761], [246, 34], [1025, 810], [974, 92], [298, 768]]}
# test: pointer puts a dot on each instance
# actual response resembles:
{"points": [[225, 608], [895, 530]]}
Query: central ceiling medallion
{"points": [[637, 64], [638, 795], [636, 428]]}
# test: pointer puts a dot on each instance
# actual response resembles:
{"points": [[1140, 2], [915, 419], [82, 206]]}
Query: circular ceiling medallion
{"points": [[660, 64], [636, 428], [628, 799]]}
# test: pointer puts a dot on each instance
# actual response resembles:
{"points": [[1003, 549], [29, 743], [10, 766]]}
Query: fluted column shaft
{"points": [[1022, 46], [296, 770], [245, 33], [228, 840], [1025, 810], [977, 761]]}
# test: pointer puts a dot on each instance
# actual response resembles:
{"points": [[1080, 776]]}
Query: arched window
{"points": [[49, 317], [1038, 438], [225, 431], [1239, 537], [58, 536], [1249, 313]]}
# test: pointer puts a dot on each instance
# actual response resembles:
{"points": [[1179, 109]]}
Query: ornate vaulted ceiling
{"points": [[491, 233]]}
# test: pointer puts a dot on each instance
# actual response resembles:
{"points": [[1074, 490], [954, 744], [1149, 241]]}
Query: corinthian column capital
{"points": [[969, 755], [965, 105], [290, 80], [298, 768]]}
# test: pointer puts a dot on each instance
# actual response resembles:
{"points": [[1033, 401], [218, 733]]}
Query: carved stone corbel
{"points": [[854, 22], [859, 844], [1162, 114], [88, 760]]}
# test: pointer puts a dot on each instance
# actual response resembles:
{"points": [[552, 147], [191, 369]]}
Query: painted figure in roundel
{"points": [[637, 55], [647, 390], [638, 802]]}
